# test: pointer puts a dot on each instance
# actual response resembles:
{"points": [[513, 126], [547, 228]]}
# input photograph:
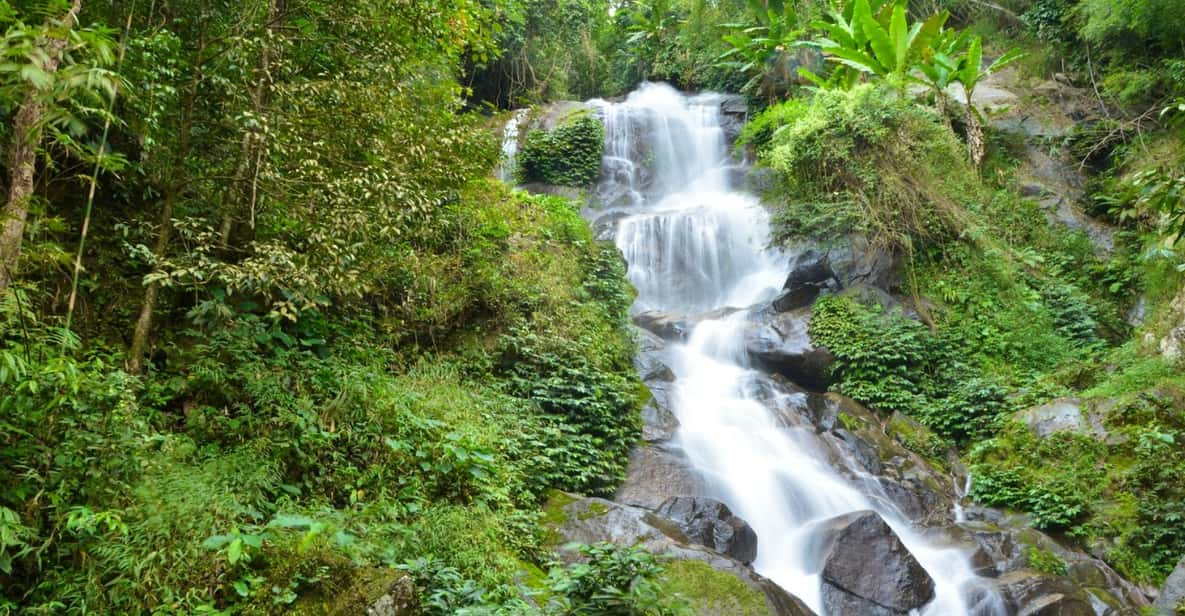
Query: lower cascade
{"points": [[696, 244]]}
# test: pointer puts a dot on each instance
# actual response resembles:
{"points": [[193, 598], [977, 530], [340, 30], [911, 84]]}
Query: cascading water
{"points": [[510, 138], [694, 244]]}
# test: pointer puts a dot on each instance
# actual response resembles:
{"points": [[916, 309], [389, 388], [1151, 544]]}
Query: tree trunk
{"points": [[152, 292], [173, 187], [22, 157], [243, 189], [976, 145]]}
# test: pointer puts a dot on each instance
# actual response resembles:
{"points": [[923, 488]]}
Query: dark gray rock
{"points": [[712, 524], [651, 361], [655, 474], [781, 343], [1172, 595], [817, 267], [810, 275], [605, 225], [867, 570], [1009, 540]]}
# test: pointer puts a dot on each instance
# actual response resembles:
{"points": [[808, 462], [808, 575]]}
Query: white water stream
{"points": [[695, 243], [511, 135]]}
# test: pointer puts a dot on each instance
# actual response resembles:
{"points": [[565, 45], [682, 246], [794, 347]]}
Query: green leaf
{"points": [[234, 552], [879, 41]]}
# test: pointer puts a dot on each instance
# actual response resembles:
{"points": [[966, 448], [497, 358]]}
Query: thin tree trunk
{"points": [[22, 157], [247, 171], [152, 291], [173, 189], [976, 145]]}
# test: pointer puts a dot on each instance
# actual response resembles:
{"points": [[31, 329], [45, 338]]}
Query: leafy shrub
{"points": [[615, 581], [894, 363], [570, 155], [1057, 478], [611, 581], [864, 161], [593, 413]]}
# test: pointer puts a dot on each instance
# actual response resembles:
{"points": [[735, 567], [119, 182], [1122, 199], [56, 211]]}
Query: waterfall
{"points": [[694, 243], [511, 135]]}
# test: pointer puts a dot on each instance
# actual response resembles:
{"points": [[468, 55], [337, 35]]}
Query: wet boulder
{"points": [[781, 343], [1011, 545], [658, 418], [605, 225], [839, 264], [868, 570], [655, 474], [669, 326], [810, 275], [1036, 594], [1172, 595], [711, 523], [651, 360]]}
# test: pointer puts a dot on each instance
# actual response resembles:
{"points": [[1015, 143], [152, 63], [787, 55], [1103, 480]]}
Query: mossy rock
{"points": [[349, 590], [711, 592], [554, 516], [916, 437]]}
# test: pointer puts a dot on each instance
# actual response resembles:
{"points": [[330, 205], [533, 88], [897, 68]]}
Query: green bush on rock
{"points": [[569, 155], [864, 161]]}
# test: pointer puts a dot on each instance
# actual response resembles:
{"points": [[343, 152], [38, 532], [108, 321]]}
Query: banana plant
{"points": [[970, 73], [939, 66], [877, 39], [755, 49]]}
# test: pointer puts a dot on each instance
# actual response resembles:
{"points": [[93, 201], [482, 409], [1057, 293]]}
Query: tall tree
{"points": [[27, 130]]}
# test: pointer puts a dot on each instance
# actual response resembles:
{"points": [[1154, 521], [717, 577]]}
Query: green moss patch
{"points": [[710, 591]]}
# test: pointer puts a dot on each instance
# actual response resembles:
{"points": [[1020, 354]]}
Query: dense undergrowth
{"points": [[271, 461]]}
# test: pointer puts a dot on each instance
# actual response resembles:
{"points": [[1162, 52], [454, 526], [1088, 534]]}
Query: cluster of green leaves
{"points": [[1017, 469], [894, 363], [609, 580], [568, 155], [863, 161], [272, 464], [765, 51], [548, 50]]}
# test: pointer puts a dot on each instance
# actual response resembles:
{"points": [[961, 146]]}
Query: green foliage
{"points": [[1149, 21], [711, 591], [570, 155], [267, 462], [893, 363], [1057, 478], [865, 162], [610, 581], [762, 51], [615, 581], [877, 39]]}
